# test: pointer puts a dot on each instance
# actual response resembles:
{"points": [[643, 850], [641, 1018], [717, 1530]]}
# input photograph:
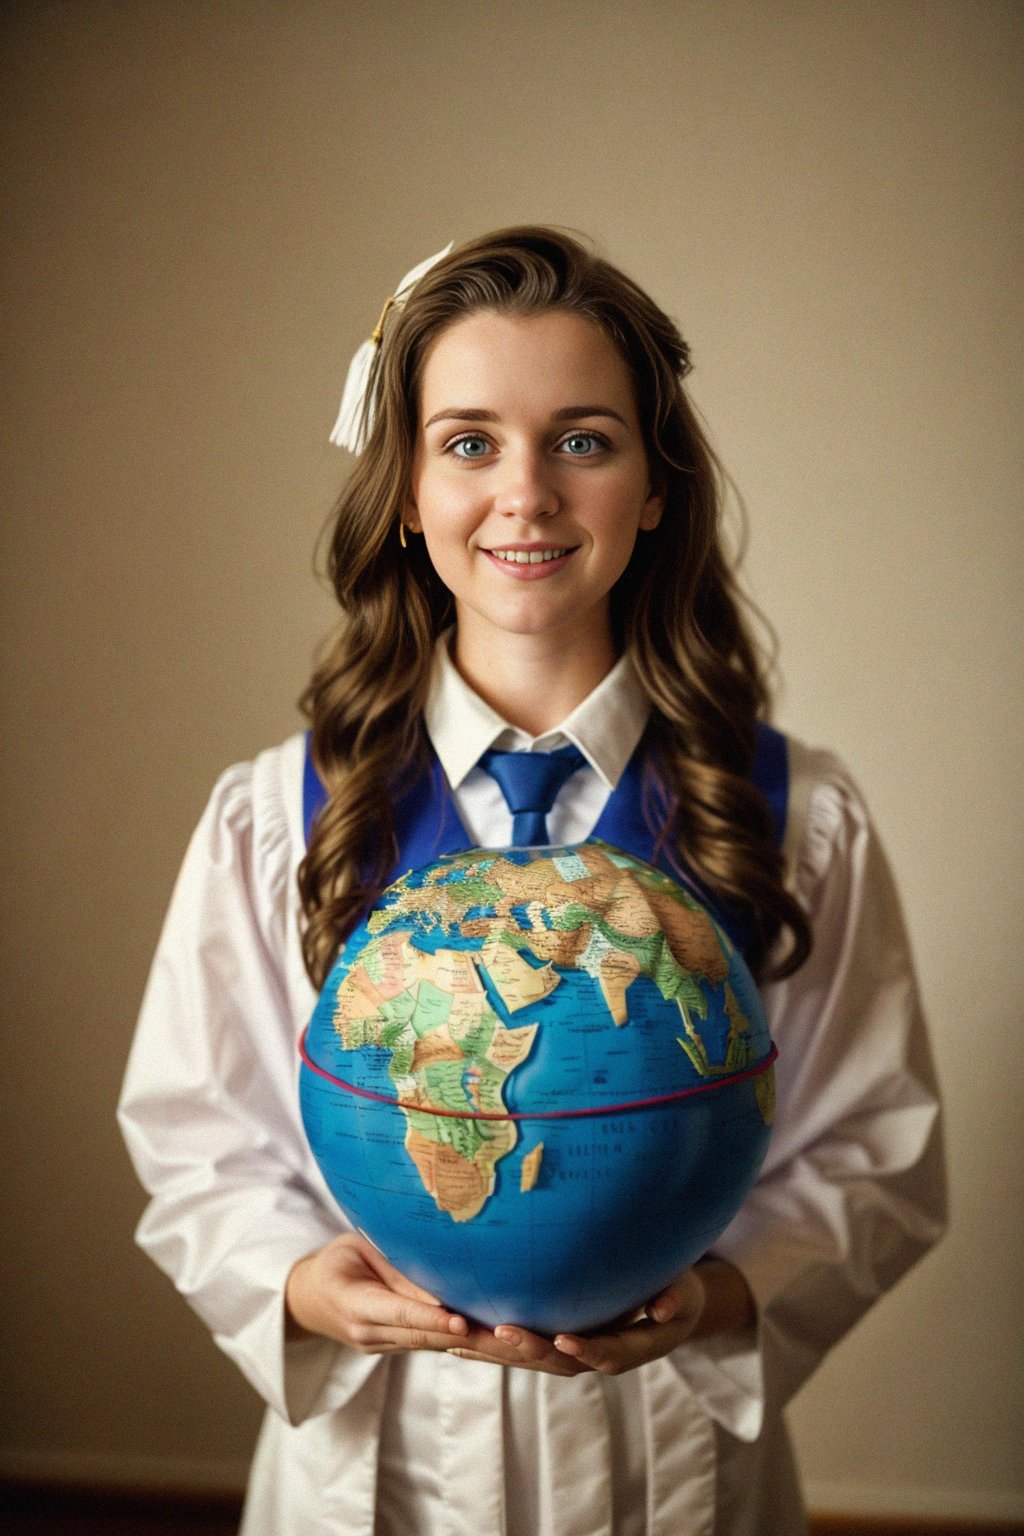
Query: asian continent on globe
{"points": [[540, 1081]]}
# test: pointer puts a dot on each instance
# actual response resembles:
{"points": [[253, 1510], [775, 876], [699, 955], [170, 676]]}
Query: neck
{"points": [[533, 681]]}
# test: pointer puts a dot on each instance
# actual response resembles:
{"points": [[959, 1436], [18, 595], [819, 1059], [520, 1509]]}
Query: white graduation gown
{"points": [[852, 1193]]}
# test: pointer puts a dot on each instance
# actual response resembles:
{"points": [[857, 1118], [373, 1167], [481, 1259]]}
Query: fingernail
{"points": [[460, 1352], [566, 1345], [663, 1311], [457, 1325], [507, 1335]]}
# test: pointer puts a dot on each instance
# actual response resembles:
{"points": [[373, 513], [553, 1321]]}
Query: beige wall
{"points": [[207, 205]]}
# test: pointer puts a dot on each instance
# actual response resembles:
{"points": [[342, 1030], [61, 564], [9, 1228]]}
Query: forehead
{"points": [[552, 359]]}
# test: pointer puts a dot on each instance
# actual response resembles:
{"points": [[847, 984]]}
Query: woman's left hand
{"points": [[666, 1322]]}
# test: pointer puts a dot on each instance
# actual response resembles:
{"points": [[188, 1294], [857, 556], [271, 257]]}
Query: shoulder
{"points": [[253, 818], [827, 818]]}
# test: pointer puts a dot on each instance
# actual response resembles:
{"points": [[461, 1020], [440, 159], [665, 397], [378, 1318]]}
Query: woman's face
{"points": [[530, 477]]}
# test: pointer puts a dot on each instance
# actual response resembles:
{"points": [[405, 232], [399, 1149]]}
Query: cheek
{"points": [[617, 546], [446, 531], [617, 525], [445, 526], [449, 513]]}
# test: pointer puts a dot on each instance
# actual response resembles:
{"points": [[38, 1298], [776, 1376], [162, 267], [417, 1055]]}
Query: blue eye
{"points": [[475, 447], [582, 444]]}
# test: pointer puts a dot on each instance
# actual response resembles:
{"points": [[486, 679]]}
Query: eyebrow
{"points": [[567, 413]]}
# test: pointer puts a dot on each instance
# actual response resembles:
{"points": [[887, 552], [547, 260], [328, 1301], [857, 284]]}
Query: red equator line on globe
{"points": [[540, 1114]]}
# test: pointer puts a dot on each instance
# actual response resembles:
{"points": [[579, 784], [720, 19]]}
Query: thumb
{"points": [[393, 1278]]}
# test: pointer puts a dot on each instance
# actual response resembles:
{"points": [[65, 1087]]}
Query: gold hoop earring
{"points": [[401, 534]]}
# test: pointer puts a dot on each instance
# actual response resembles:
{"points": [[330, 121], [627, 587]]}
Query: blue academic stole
{"points": [[427, 823]]}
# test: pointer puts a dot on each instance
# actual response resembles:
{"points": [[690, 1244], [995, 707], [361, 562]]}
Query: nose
{"points": [[526, 487]]}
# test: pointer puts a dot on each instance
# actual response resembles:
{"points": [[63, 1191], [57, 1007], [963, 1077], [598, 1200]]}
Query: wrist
{"points": [[294, 1308], [729, 1305]]}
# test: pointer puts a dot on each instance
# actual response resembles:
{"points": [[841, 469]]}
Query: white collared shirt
{"points": [[606, 727], [850, 1195]]}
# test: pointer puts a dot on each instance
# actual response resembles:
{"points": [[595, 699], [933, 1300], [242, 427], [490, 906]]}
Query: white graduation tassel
{"points": [[348, 429], [355, 417]]}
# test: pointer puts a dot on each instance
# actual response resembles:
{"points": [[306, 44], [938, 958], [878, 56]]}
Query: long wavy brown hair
{"points": [[676, 609]]}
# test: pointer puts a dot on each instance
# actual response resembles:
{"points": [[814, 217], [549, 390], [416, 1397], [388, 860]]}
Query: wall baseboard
{"points": [[120, 1507], [974, 1508], [823, 1524]]}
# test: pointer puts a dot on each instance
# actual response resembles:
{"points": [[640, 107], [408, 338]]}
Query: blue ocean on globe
{"points": [[540, 1081]]}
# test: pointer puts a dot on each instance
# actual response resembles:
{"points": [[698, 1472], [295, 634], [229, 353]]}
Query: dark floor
{"points": [[28, 1509]]}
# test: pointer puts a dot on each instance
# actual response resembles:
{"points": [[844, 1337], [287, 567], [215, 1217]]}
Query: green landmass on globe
{"points": [[590, 908]]}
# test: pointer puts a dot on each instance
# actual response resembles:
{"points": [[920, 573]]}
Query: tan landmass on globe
{"points": [[556, 946], [597, 891], [459, 1186], [618, 969], [452, 970], [435, 1047], [509, 1047], [363, 987], [433, 1005], [692, 1043], [737, 1051], [477, 927], [589, 908], [357, 999], [691, 936], [392, 964], [517, 983], [560, 912], [464, 1019], [738, 1026], [530, 1169], [764, 1089], [628, 909], [425, 1006]]}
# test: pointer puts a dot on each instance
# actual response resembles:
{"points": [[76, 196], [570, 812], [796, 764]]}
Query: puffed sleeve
{"points": [[208, 1108], [852, 1192]]}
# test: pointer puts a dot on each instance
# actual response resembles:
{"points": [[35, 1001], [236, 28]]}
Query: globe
{"points": [[539, 1081]]}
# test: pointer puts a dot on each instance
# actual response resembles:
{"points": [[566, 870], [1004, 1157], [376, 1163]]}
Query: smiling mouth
{"points": [[529, 556]]}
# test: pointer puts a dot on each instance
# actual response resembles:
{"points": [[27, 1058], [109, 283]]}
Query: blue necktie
{"points": [[530, 781]]}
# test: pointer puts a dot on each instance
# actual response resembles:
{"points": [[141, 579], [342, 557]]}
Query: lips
{"points": [[529, 562]]}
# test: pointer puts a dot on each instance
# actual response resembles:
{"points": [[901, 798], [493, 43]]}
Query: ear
{"points": [[411, 517], [653, 507]]}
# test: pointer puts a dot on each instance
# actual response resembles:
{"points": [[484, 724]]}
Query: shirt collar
{"points": [[606, 725]]}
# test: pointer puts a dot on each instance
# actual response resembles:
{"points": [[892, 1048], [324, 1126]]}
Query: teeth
{"points": [[528, 556]]}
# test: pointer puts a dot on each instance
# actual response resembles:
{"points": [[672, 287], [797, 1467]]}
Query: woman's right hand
{"points": [[347, 1291]]}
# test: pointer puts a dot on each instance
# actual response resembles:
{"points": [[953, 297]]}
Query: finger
{"points": [[376, 1340], [554, 1366], [524, 1344], [663, 1307], [376, 1304], [685, 1295], [518, 1346], [481, 1341], [477, 1354], [613, 1353]]}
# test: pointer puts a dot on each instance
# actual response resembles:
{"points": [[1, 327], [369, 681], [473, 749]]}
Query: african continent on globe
{"points": [[540, 1081]]}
